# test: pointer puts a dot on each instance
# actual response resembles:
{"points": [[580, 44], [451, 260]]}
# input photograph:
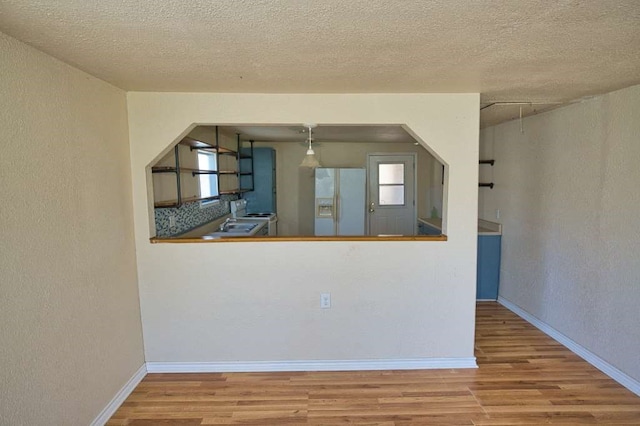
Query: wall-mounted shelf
{"points": [[196, 144], [242, 170], [234, 191], [240, 154], [488, 184], [175, 203]]}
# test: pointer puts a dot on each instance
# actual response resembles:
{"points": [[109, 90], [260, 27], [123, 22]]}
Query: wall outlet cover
{"points": [[325, 300]]}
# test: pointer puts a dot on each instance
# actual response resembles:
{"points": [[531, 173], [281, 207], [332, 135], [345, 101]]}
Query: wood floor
{"points": [[525, 377]]}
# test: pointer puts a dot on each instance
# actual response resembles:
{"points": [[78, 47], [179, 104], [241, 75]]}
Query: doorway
{"points": [[391, 194]]}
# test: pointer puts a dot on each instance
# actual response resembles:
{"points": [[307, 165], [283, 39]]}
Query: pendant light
{"points": [[310, 160]]}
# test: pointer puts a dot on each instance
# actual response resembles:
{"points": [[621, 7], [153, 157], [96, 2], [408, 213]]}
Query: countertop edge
{"points": [[266, 239]]}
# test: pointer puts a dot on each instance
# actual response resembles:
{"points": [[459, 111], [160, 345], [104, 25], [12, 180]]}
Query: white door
{"points": [[391, 194]]}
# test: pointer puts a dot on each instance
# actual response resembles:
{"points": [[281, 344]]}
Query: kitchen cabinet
{"points": [[488, 267], [262, 199], [489, 252], [427, 229]]}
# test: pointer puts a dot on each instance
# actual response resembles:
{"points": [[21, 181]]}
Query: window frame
{"points": [[208, 203]]}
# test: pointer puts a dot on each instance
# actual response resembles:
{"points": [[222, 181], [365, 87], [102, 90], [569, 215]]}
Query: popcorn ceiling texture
{"points": [[71, 334], [535, 50]]}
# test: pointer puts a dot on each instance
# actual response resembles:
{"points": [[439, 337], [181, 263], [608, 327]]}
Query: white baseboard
{"points": [[327, 365], [593, 359], [119, 398]]}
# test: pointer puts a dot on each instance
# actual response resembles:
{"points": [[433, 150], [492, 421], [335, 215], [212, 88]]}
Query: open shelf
{"points": [[172, 169], [234, 191], [196, 144], [487, 184], [174, 203], [241, 153]]}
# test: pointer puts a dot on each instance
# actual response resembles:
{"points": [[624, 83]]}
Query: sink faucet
{"points": [[225, 224]]}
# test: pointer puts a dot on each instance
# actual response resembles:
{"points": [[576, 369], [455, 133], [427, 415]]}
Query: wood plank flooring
{"points": [[525, 377]]}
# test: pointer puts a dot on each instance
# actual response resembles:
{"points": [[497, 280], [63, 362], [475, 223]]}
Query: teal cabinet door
{"points": [[424, 229], [263, 197], [488, 269]]}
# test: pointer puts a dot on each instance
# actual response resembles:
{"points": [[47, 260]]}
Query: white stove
{"points": [[239, 212]]}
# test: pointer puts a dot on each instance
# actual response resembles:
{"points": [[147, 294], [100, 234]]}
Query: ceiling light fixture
{"points": [[310, 159]]}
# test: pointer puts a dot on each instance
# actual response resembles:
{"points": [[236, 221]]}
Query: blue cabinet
{"points": [[424, 229], [488, 269], [263, 197]]}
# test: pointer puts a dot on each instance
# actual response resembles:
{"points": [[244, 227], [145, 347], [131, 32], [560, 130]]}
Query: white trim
{"points": [[593, 359], [318, 365], [119, 398]]}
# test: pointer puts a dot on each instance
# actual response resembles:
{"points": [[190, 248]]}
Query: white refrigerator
{"points": [[340, 201]]}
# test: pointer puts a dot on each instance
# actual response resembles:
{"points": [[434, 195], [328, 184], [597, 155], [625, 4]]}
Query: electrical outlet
{"points": [[172, 221], [325, 300]]}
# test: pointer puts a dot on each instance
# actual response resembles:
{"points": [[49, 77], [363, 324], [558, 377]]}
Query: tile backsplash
{"points": [[189, 216]]}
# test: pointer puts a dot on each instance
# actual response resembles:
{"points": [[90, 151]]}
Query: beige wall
{"points": [[260, 301], [70, 334], [295, 185], [567, 191]]}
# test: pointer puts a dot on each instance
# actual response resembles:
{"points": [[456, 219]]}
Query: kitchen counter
{"points": [[484, 226], [210, 230], [198, 235]]}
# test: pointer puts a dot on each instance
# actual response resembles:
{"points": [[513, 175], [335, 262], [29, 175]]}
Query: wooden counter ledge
{"points": [[177, 240]]}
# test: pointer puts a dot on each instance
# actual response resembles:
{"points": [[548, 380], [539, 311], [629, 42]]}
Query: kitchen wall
{"points": [[567, 191], [246, 301], [295, 185], [190, 216], [71, 334]]}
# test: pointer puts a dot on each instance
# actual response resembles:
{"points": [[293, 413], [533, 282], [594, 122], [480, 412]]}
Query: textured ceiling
{"points": [[508, 50], [322, 133]]}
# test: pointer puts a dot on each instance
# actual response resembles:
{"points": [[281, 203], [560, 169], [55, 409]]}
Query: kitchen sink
{"points": [[240, 227], [234, 229]]}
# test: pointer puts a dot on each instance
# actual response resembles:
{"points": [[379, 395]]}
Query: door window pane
{"points": [[391, 184], [391, 195], [391, 174]]}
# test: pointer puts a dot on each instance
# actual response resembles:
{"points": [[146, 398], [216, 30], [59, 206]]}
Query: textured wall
{"points": [[567, 191], [70, 334], [260, 301]]}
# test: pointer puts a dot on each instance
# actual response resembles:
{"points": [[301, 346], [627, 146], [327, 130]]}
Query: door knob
{"points": [[371, 209]]}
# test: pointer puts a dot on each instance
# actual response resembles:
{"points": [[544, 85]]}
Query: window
{"points": [[208, 181], [391, 184]]}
